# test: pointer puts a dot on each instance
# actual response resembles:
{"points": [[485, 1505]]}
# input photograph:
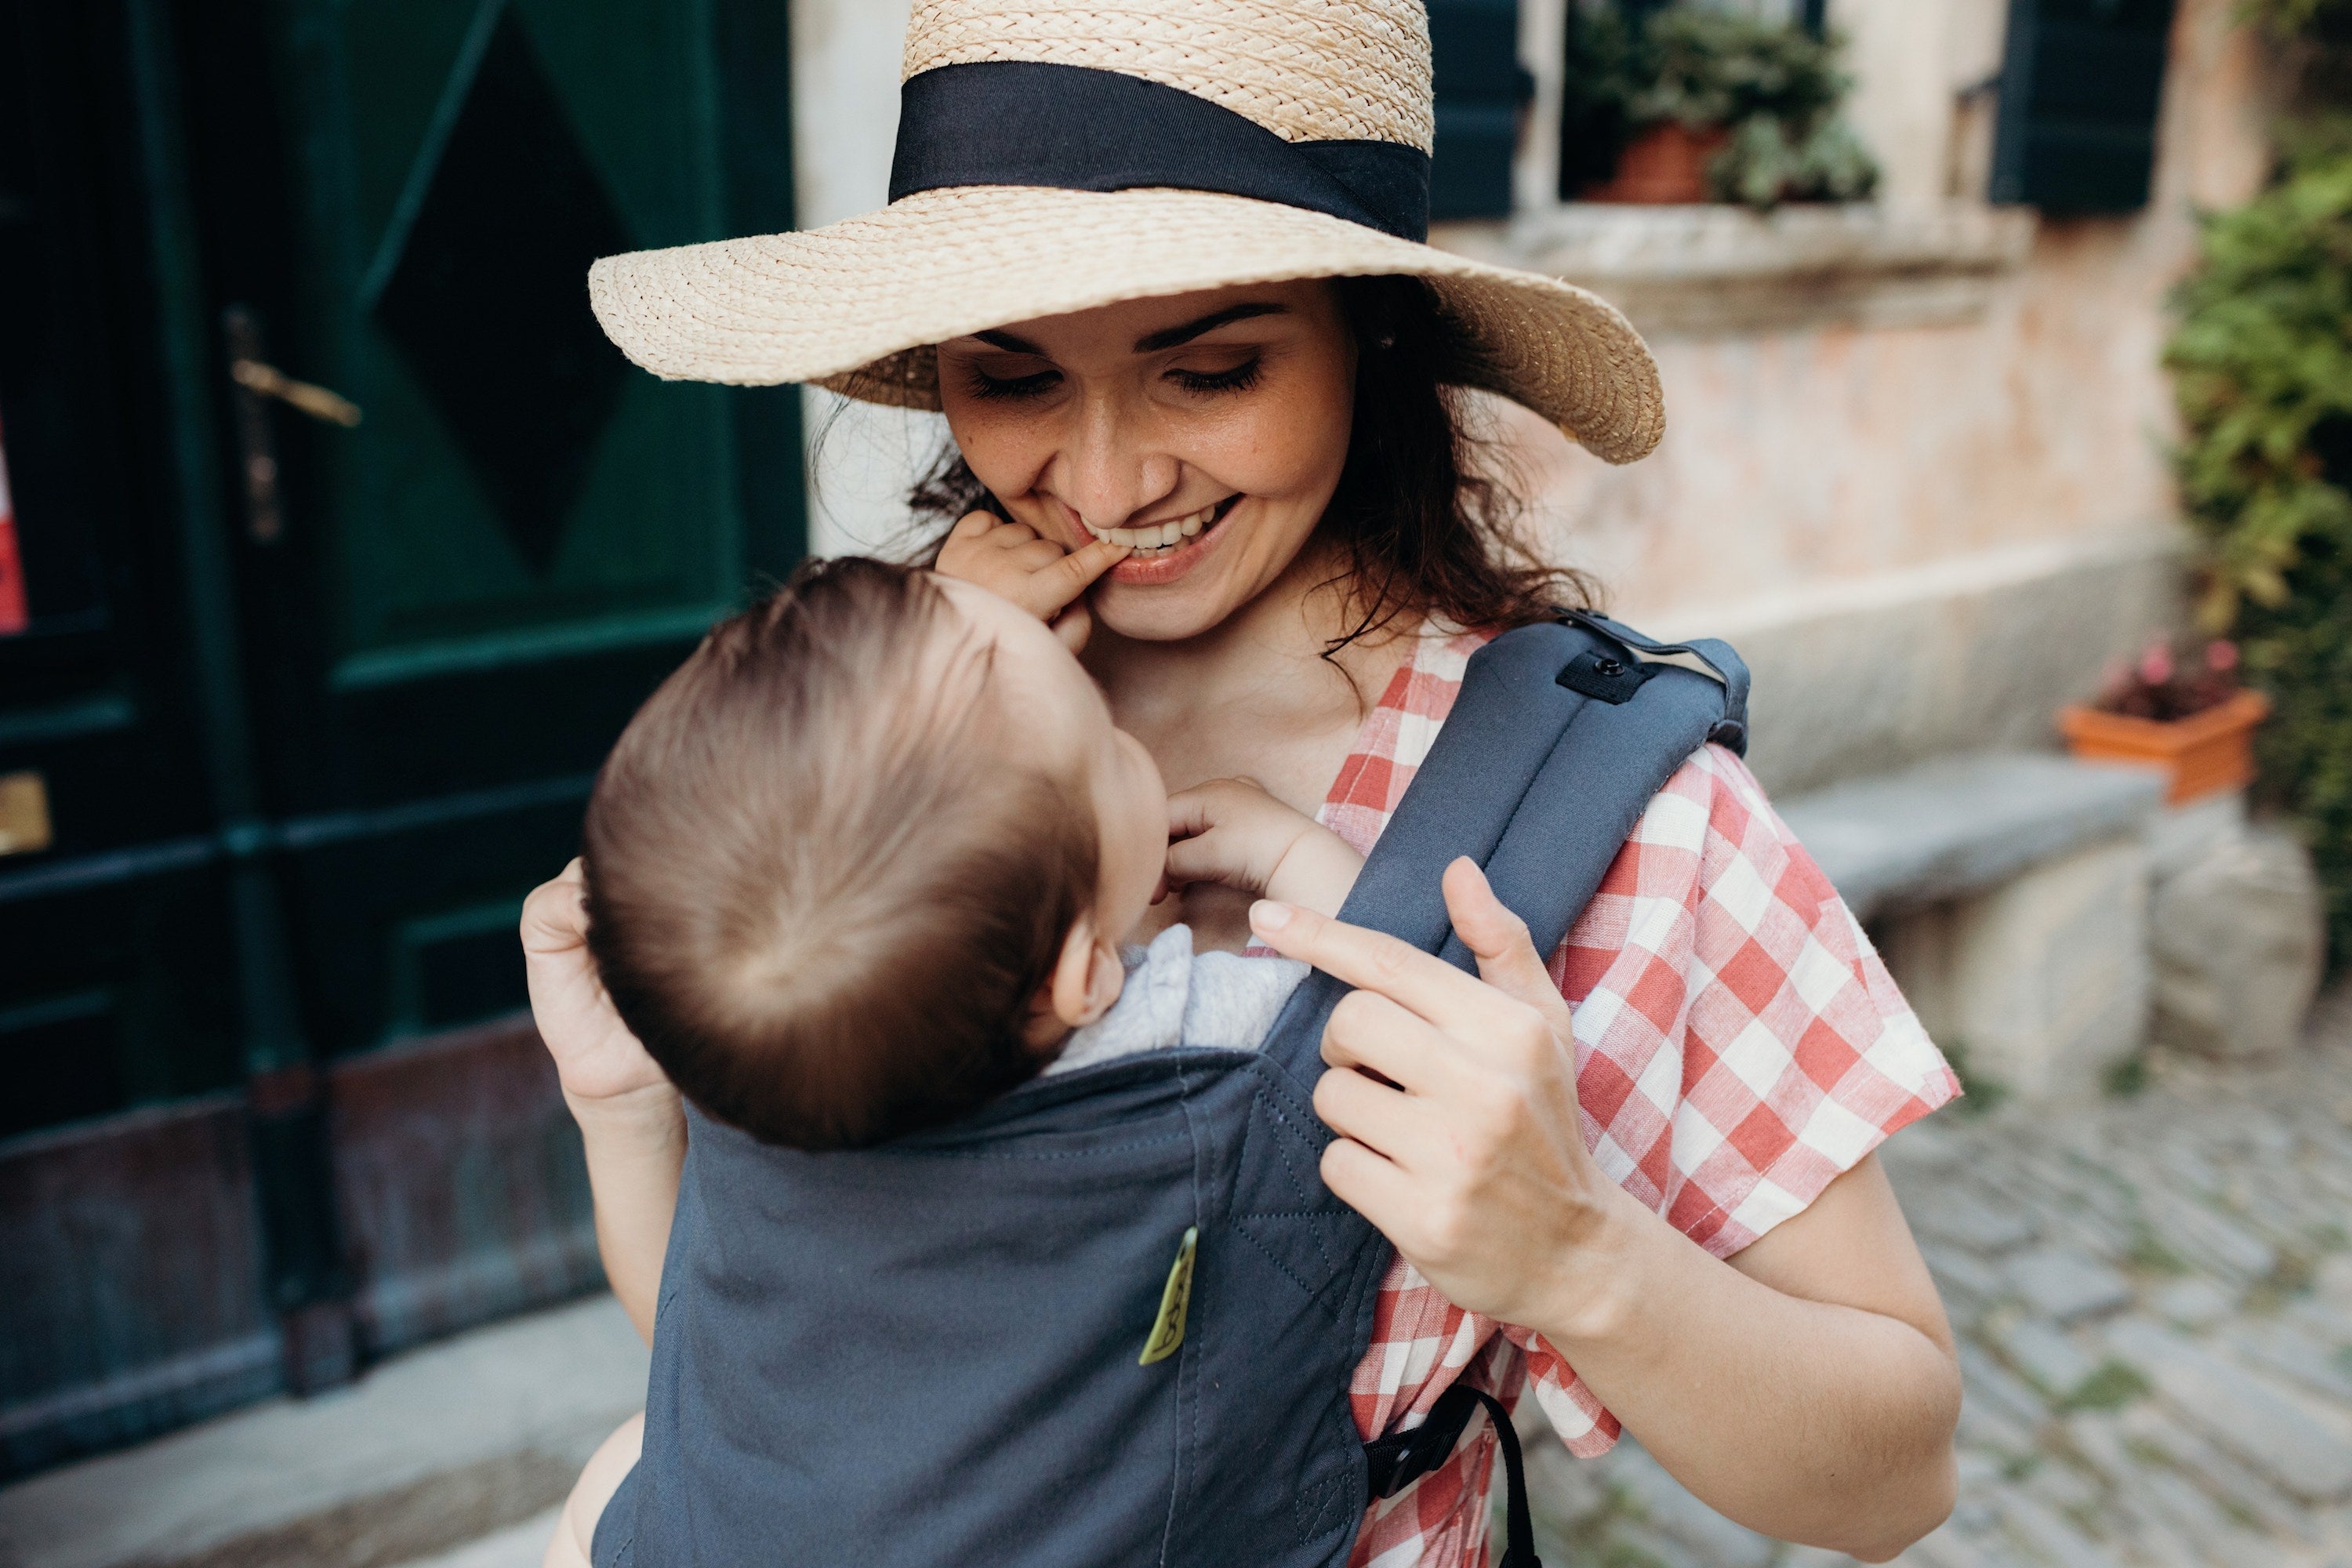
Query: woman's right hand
{"points": [[598, 1060]]}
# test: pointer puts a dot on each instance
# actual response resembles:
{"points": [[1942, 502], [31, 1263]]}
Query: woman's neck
{"points": [[1254, 694]]}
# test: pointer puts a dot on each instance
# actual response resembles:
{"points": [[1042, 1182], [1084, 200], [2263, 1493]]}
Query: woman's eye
{"points": [[1240, 378], [983, 384]]}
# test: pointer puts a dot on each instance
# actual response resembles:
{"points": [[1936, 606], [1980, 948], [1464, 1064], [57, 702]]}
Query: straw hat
{"points": [[1059, 154]]}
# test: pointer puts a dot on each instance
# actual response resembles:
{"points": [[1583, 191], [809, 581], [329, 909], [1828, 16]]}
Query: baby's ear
{"points": [[1087, 976]]}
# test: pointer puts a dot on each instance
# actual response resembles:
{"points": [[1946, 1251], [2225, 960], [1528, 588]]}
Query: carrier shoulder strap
{"points": [[1561, 736]]}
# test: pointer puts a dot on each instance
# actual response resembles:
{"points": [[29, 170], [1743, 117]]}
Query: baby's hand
{"points": [[1011, 561], [1229, 831], [597, 1059]]}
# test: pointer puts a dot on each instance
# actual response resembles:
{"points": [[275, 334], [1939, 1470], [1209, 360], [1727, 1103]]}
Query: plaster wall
{"points": [[1925, 537]]}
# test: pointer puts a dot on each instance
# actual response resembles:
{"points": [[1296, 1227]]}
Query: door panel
{"points": [[517, 494], [524, 534]]}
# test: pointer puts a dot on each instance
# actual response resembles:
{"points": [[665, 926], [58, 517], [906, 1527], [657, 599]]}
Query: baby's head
{"points": [[862, 862]]}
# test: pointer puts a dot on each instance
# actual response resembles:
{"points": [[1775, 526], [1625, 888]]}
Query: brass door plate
{"points": [[23, 813]]}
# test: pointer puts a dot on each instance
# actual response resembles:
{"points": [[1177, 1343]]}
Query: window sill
{"points": [[1695, 271]]}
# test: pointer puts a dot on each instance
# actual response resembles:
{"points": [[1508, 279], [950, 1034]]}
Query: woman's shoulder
{"points": [[1722, 988]]}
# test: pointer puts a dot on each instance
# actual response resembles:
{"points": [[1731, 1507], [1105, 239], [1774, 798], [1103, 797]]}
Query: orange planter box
{"points": [[2202, 755], [1664, 166]]}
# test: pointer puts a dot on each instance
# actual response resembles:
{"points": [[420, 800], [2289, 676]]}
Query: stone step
{"points": [[452, 1449]]}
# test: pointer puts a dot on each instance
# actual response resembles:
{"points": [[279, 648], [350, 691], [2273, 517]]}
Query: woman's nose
{"points": [[1112, 470]]}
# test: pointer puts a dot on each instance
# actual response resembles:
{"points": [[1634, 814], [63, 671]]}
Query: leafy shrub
{"points": [[2261, 366], [2323, 20], [1774, 87]]}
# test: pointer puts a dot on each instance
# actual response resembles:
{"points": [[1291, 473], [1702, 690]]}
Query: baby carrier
{"points": [[1112, 1318]]}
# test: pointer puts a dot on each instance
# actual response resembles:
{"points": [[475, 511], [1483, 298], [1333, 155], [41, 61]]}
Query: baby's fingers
{"points": [[1213, 857], [555, 918], [1063, 581]]}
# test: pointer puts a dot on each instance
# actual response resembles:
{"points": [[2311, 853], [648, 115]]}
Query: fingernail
{"points": [[1267, 915]]}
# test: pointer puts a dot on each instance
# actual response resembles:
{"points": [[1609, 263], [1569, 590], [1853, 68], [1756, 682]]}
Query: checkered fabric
{"points": [[1738, 1045]]}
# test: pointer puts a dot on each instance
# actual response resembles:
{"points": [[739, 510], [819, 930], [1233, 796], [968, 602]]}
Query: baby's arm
{"points": [[631, 1120], [1229, 831]]}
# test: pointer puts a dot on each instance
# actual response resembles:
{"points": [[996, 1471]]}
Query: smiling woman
{"points": [[1162, 267], [1252, 384]]}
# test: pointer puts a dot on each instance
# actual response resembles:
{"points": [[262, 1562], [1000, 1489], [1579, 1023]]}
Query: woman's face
{"points": [[1208, 430]]}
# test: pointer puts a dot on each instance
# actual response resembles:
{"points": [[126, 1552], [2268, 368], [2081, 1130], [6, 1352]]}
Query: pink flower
{"points": [[2221, 656], [2156, 664]]}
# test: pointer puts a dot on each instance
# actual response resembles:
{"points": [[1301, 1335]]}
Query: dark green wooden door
{"points": [[312, 704], [523, 531]]}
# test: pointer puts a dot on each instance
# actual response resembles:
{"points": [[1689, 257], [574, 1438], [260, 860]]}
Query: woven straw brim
{"points": [[856, 307]]}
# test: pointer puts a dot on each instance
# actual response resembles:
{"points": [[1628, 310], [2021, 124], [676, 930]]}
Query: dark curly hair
{"points": [[1424, 515]]}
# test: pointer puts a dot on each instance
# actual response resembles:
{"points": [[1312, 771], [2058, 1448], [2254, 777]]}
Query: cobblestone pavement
{"points": [[2154, 1298]]}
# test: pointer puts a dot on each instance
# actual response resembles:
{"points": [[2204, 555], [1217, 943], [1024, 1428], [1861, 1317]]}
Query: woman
{"points": [[1162, 273]]}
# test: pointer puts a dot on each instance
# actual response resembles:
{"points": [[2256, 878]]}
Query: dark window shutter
{"points": [[2079, 90], [1480, 86]]}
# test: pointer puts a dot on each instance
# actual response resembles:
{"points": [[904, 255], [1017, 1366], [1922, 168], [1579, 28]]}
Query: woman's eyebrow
{"points": [[1171, 337], [1009, 343]]}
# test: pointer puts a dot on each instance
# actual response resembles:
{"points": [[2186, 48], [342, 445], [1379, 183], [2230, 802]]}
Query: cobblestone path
{"points": [[2154, 1298]]}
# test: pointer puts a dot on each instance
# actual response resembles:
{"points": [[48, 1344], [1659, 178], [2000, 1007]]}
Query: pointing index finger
{"points": [[1373, 961]]}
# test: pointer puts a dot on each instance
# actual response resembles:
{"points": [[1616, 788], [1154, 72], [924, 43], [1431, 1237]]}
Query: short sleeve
{"points": [[1740, 1043]]}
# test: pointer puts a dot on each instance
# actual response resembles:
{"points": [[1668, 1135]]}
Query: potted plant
{"points": [[1693, 105], [2182, 712]]}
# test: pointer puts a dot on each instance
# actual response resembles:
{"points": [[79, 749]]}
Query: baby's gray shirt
{"points": [[1175, 996]]}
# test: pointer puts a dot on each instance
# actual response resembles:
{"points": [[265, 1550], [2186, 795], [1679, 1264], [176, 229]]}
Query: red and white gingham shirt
{"points": [[1738, 1046]]}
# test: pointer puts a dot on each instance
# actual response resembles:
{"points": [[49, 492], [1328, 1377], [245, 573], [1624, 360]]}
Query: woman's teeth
{"points": [[1158, 536]]}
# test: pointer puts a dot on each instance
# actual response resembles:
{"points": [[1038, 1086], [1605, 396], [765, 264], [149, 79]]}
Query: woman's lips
{"points": [[1165, 564]]}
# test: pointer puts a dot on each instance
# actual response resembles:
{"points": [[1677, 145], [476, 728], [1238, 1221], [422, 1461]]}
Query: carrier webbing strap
{"points": [[1395, 1462]]}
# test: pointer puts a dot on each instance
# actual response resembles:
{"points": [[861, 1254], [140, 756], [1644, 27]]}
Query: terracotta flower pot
{"points": [[2202, 755], [1665, 165]]}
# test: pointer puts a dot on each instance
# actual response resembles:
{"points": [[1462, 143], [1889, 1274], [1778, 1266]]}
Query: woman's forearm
{"points": [[1824, 1423], [636, 1145]]}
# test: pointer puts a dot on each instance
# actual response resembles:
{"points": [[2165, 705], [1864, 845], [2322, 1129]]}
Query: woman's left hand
{"points": [[1468, 1149]]}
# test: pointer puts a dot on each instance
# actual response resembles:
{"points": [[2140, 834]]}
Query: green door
{"points": [[349, 545], [523, 532]]}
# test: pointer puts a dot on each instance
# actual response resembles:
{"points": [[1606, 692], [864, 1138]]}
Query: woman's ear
{"points": [[1087, 976]]}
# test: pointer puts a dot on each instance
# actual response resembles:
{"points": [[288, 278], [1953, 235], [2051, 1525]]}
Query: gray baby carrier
{"points": [[1112, 1318]]}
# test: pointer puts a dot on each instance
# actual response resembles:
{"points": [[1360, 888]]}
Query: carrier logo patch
{"points": [[1167, 1329]]}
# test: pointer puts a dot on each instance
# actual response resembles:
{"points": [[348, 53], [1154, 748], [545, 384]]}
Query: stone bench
{"points": [[2009, 893]]}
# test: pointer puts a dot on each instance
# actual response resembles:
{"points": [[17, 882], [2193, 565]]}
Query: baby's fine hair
{"points": [[824, 877]]}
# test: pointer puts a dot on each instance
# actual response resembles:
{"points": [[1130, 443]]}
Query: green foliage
{"points": [[2261, 366], [2319, 19], [1981, 1093], [1720, 67], [2111, 1387], [2128, 1077], [1774, 87], [1766, 166]]}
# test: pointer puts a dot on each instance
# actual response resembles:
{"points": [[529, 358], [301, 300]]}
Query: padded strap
{"points": [[1583, 805], [1509, 714], [1534, 780]]}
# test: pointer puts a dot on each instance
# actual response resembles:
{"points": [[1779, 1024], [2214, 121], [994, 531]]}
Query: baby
{"points": [[865, 863]]}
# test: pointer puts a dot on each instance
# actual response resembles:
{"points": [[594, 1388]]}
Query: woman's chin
{"points": [[1169, 612]]}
